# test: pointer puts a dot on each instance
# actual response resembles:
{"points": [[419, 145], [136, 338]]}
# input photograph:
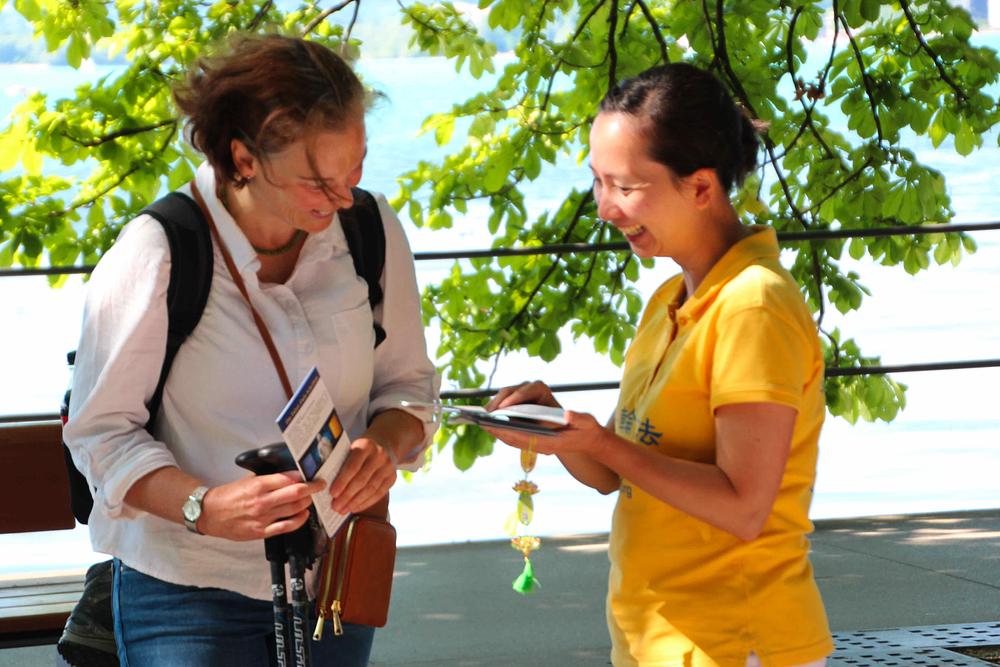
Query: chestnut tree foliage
{"points": [[894, 70]]}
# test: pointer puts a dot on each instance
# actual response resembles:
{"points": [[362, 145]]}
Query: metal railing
{"points": [[620, 246], [566, 248]]}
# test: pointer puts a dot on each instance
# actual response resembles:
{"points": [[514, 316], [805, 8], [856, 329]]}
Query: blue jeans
{"points": [[166, 625]]}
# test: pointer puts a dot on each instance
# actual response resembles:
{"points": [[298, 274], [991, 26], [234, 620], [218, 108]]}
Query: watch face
{"points": [[192, 510]]}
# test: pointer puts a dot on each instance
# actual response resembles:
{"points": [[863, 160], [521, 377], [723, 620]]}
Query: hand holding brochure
{"points": [[312, 430], [537, 419]]}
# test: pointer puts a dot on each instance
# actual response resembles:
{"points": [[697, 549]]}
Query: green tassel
{"points": [[526, 581]]}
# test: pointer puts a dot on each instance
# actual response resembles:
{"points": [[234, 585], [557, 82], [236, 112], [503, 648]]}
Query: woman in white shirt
{"points": [[281, 124]]}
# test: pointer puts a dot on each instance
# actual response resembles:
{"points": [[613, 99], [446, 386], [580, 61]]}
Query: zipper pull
{"points": [[338, 628], [320, 623]]}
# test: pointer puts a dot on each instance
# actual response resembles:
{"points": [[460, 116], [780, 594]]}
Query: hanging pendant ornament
{"points": [[525, 544]]}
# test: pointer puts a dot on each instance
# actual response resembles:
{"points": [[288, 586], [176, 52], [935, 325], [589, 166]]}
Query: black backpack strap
{"points": [[191, 267], [365, 234]]}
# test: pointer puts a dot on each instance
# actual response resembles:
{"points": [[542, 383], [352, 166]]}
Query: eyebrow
{"points": [[636, 180], [319, 179]]}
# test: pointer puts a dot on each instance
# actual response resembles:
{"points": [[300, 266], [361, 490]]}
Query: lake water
{"points": [[940, 454]]}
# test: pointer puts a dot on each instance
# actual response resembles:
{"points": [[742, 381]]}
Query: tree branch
{"points": [[714, 65], [350, 28], [656, 30], [538, 23], [612, 51], [853, 176], [723, 54], [259, 17], [935, 58], [560, 61], [865, 78], [496, 364], [578, 292], [577, 214], [425, 25], [128, 132], [323, 15], [807, 109], [121, 178], [818, 279]]}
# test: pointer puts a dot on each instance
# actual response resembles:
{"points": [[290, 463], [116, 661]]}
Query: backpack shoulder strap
{"points": [[365, 234], [191, 267]]}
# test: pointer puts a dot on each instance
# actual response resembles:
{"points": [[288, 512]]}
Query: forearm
{"points": [[162, 493], [398, 432], [589, 471], [702, 490]]}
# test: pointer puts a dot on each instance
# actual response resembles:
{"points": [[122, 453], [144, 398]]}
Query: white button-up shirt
{"points": [[223, 393]]}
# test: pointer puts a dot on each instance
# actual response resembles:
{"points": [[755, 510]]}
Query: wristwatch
{"points": [[192, 508]]}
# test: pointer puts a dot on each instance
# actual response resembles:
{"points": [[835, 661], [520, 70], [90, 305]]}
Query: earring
{"points": [[241, 180]]}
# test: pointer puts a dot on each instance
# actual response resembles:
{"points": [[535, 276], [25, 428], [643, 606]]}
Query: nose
{"points": [[341, 198], [606, 207]]}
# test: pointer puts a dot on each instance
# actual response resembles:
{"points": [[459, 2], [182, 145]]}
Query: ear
{"points": [[243, 160], [704, 187]]}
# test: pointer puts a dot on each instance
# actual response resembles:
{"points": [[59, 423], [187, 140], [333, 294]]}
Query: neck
{"points": [[267, 235], [726, 232]]}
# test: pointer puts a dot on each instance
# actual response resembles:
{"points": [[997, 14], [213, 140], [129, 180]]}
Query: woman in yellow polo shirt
{"points": [[713, 444]]}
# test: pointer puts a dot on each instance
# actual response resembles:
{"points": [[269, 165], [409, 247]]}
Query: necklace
{"points": [[268, 252], [282, 249]]}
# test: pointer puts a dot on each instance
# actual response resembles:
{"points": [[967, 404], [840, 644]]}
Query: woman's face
{"points": [[305, 193], [639, 196]]}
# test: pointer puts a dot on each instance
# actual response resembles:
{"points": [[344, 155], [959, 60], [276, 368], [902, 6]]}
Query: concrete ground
{"points": [[453, 605]]}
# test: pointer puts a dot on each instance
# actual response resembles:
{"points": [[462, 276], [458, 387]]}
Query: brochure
{"points": [[312, 430], [537, 419]]}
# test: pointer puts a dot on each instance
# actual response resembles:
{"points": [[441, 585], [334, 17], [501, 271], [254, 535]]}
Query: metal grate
{"points": [[922, 645], [966, 634], [918, 657]]}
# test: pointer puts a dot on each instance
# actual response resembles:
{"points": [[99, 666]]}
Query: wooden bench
{"points": [[34, 496]]}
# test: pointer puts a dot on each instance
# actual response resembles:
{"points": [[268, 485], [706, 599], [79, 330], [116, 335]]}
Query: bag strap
{"points": [[380, 508], [365, 233], [191, 268], [238, 279]]}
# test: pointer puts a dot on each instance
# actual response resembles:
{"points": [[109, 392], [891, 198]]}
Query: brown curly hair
{"points": [[267, 91]]}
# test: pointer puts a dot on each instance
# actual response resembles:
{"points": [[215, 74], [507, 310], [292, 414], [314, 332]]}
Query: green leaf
{"points": [[966, 140], [180, 175], [870, 9]]}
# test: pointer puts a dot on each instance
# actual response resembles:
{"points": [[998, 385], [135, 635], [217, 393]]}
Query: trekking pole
{"points": [[274, 550], [296, 549]]}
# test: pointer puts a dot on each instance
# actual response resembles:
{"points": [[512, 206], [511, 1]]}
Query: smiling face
{"points": [[644, 199], [304, 184]]}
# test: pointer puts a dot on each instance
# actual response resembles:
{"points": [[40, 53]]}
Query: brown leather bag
{"points": [[356, 575]]}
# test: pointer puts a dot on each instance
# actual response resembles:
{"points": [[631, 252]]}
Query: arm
{"points": [[247, 509], [588, 470], [118, 363], [402, 370], [734, 494]]}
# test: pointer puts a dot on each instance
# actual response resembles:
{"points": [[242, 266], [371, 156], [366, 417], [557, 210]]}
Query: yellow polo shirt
{"points": [[682, 592]]}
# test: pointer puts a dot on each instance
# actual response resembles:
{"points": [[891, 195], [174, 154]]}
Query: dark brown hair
{"points": [[691, 121], [267, 91]]}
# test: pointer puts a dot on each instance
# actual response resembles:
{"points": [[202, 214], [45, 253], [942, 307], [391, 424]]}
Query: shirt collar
{"points": [[761, 244]]}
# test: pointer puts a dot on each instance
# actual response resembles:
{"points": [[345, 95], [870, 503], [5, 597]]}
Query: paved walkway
{"points": [[453, 606]]}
